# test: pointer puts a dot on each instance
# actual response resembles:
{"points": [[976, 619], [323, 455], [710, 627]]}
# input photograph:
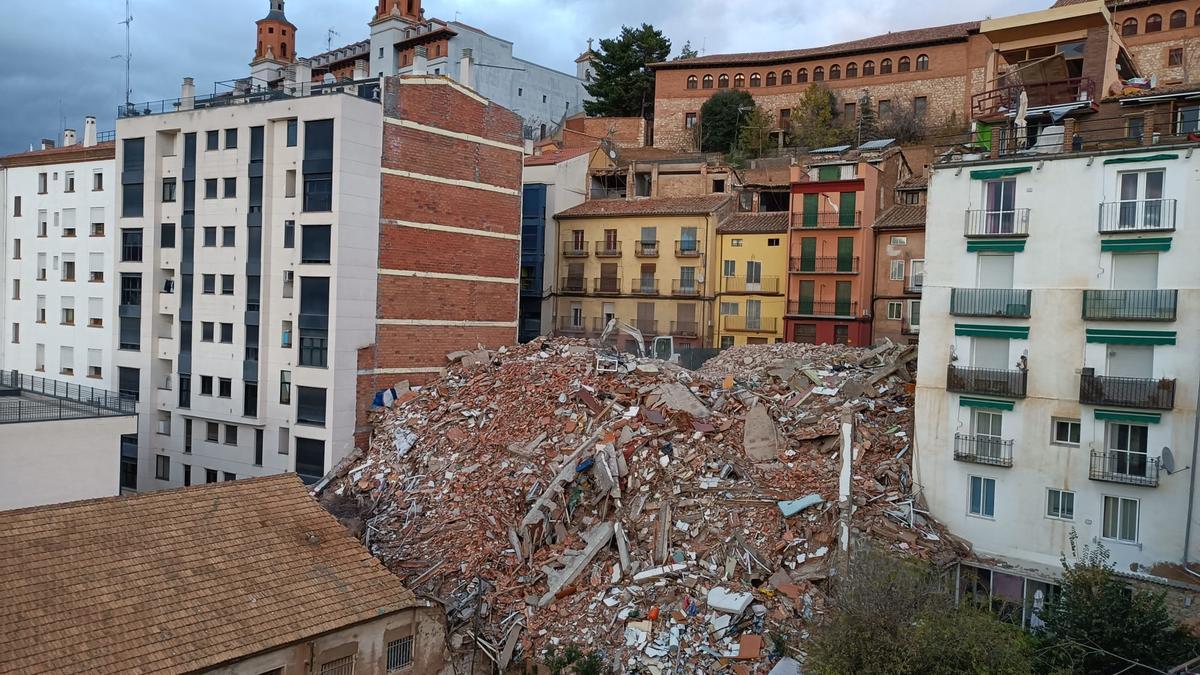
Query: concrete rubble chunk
{"points": [[725, 600], [786, 666], [571, 566], [760, 437], [793, 506], [681, 399]]}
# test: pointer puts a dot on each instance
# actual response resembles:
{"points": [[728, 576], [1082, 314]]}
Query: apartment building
{"points": [[60, 242], [752, 297], [1055, 392], [836, 197], [899, 272], [649, 262]]}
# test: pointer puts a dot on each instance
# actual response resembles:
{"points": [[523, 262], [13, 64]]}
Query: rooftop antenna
{"points": [[329, 35], [128, 51]]}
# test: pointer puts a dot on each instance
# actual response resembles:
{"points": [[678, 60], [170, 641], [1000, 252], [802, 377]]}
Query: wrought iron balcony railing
{"points": [[1139, 305], [1127, 392], [764, 285], [686, 287], [688, 248], [988, 450], [606, 285], [645, 286], [987, 381], [575, 249], [685, 329], [608, 249], [1137, 215], [825, 265], [998, 302], [827, 220], [997, 223], [749, 324], [645, 249], [574, 285], [1124, 466], [847, 309]]}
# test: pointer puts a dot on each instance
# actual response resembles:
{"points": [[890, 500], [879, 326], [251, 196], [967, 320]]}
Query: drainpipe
{"points": [[1187, 522]]}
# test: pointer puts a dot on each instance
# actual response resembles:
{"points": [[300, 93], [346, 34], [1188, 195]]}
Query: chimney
{"points": [[47, 144], [89, 131], [420, 61], [464, 68], [301, 75], [360, 70], [68, 138], [187, 94]]}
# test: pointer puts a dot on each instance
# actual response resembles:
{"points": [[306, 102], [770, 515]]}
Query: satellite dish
{"points": [[1167, 460], [612, 154]]}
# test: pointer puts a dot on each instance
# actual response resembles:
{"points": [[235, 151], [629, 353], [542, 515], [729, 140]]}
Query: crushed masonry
{"points": [[678, 521]]}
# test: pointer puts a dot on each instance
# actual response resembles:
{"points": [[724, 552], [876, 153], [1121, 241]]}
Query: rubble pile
{"points": [[677, 521]]}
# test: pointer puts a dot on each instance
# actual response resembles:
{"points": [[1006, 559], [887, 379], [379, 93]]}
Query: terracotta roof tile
{"points": [[650, 206], [774, 222], [180, 580], [916, 182], [903, 38], [901, 215], [70, 153], [556, 156]]}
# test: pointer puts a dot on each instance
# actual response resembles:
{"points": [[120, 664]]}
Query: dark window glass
{"points": [[314, 321], [129, 382], [166, 235], [224, 387], [227, 332], [210, 188], [258, 446], [131, 245], [131, 200], [314, 244], [135, 155], [318, 165], [168, 190], [228, 236], [226, 284], [209, 284], [289, 234], [230, 139], [310, 406], [310, 459], [292, 127], [206, 389], [206, 331], [129, 456], [210, 475], [230, 188], [210, 236], [212, 140]]}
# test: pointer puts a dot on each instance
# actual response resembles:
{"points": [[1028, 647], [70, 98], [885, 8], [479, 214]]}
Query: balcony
{"points": [[828, 220], [167, 303], [687, 329], [1123, 466], [608, 249], [764, 285], [986, 381], [645, 249], [688, 248], [1054, 92], [747, 324], [575, 249], [1126, 392], [606, 286], [990, 223], [1142, 305], [166, 348], [988, 450], [1140, 215], [645, 326], [645, 286], [688, 288], [1010, 303], [569, 325], [572, 285], [907, 327], [914, 283], [824, 265], [834, 310]]}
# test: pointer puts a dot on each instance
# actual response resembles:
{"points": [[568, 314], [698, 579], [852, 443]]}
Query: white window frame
{"points": [[899, 241], [915, 325], [726, 308], [1137, 525], [1050, 494], [896, 270], [983, 480], [1054, 439], [895, 310]]}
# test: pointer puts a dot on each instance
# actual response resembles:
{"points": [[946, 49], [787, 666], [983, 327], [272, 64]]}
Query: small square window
{"points": [[895, 311], [210, 475], [1060, 504], [982, 498], [209, 284], [206, 331], [1120, 519], [229, 475], [226, 284], [212, 140], [206, 382], [230, 188], [773, 241], [212, 432], [230, 139], [226, 333], [210, 188], [1175, 56], [400, 653], [899, 241], [162, 467], [210, 236], [225, 387], [736, 243], [228, 236], [1066, 432], [231, 434]]}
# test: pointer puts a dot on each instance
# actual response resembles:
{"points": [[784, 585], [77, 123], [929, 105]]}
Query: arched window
{"points": [[785, 77], [802, 75], [1129, 26], [739, 81], [835, 72], [1153, 23], [818, 74], [885, 66], [904, 65], [771, 79], [868, 68], [708, 81], [723, 82], [1179, 19], [283, 49], [691, 82], [755, 80], [851, 71], [923, 62]]}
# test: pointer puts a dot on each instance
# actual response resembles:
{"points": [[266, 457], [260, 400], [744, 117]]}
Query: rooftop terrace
{"points": [[26, 398]]}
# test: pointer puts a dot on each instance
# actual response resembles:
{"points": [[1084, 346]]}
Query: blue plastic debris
{"points": [[793, 506], [585, 465]]}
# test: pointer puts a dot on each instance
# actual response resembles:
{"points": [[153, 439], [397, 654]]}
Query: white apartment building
{"points": [[1057, 386], [59, 240], [254, 287]]}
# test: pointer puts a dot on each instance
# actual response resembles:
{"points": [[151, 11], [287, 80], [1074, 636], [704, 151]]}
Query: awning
{"points": [[1128, 416], [993, 174], [1146, 158], [1136, 245], [1113, 336], [993, 331], [993, 404], [1002, 245]]}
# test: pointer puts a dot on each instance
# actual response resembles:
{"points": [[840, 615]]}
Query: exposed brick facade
{"points": [[441, 290]]}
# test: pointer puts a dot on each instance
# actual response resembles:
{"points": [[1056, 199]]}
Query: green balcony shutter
{"points": [[845, 254], [842, 299], [808, 254], [811, 204], [846, 204], [829, 173], [805, 305]]}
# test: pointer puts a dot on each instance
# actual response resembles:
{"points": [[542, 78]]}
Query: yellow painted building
{"points": [[650, 262], [752, 292]]}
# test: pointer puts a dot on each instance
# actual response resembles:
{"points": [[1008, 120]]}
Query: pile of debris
{"points": [[677, 521]]}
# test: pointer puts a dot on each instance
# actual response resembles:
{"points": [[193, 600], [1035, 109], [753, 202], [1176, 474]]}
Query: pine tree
{"points": [[687, 52], [623, 85], [721, 119]]}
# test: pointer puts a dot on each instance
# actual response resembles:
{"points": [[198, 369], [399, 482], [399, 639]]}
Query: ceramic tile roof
{"points": [[894, 40], [648, 206], [556, 156], [755, 223], [901, 215], [70, 153], [180, 580], [917, 182]]}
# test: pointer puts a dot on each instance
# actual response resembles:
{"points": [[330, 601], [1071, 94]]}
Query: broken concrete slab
{"points": [[793, 506], [760, 437], [572, 565], [679, 398], [786, 666], [725, 600]]}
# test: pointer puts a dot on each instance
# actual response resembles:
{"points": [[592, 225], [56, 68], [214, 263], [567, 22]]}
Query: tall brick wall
{"points": [[449, 235]]}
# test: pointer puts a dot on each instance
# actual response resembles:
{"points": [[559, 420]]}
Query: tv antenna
{"points": [[329, 35], [127, 57]]}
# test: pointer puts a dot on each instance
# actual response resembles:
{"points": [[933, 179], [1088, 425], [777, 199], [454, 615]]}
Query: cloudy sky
{"points": [[61, 63]]}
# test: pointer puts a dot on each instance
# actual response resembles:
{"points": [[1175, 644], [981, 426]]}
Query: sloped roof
{"points": [[775, 222], [650, 206], [181, 580], [556, 156], [894, 40], [901, 215], [62, 155], [914, 182]]}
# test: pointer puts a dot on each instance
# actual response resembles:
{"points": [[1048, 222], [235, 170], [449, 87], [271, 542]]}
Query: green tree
{"points": [[622, 84], [686, 52], [721, 119], [866, 127], [754, 136], [812, 119], [1096, 624]]}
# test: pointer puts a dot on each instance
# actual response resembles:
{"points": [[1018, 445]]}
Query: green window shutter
{"points": [[846, 204], [811, 204], [1136, 245], [992, 404], [993, 174], [1128, 416], [806, 297], [845, 254], [829, 173], [1005, 245], [808, 254], [842, 298], [988, 330], [1135, 160], [1115, 336]]}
